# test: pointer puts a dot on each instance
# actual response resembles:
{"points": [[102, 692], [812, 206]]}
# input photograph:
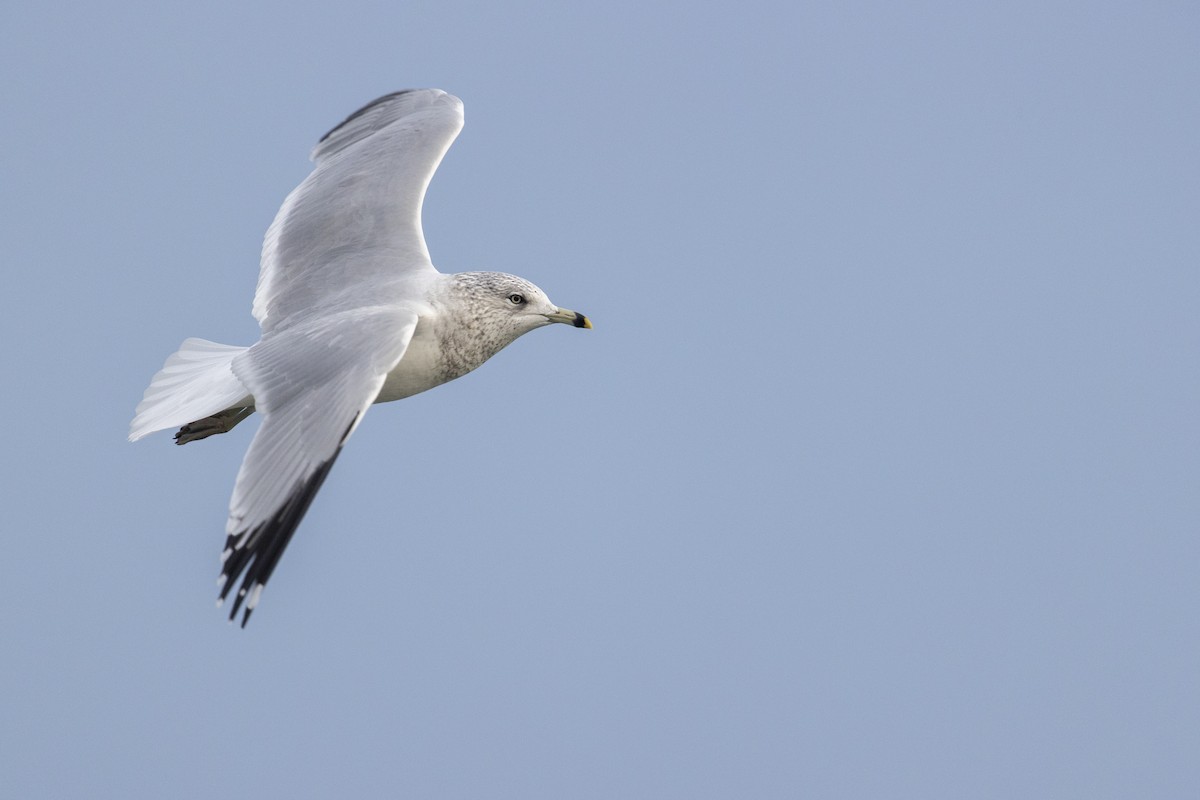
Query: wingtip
{"points": [[377, 114]]}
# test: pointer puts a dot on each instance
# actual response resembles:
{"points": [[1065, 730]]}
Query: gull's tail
{"points": [[196, 383]]}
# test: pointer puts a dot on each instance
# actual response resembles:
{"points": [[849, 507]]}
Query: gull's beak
{"points": [[569, 317]]}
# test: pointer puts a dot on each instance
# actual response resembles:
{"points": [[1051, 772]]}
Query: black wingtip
{"points": [[364, 110], [260, 551]]}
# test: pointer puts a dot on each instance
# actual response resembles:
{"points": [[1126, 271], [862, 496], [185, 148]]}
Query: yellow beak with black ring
{"points": [[568, 317]]}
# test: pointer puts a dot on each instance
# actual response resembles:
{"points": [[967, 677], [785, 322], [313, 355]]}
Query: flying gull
{"points": [[352, 312]]}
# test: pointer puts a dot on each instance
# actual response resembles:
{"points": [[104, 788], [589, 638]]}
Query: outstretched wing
{"points": [[312, 383], [352, 230]]}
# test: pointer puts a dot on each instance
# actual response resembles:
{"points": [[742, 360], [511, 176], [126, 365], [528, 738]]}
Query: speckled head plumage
{"points": [[483, 312]]}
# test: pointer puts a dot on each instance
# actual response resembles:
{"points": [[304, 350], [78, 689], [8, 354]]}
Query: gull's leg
{"points": [[221, 422]]}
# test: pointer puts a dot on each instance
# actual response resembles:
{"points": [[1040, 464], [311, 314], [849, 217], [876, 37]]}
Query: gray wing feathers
{"points": [[312, 384], [353, 227], [409, 105]]}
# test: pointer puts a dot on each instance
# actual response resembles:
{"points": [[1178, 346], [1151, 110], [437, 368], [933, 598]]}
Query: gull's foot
{"points": [[221, 422]]}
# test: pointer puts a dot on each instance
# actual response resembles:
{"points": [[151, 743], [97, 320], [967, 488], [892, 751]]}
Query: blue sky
{"points": [[876, 478]]}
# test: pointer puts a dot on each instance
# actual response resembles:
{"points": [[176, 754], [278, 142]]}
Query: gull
{"points": [[352, 313]]}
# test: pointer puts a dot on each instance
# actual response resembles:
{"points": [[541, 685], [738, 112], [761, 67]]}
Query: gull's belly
{"points": [[422, 368]]}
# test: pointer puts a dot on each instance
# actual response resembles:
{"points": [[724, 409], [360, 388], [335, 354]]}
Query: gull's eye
{"points": [[516, 299]]}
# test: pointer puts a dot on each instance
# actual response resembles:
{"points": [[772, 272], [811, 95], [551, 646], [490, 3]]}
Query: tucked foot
{"points": [[221, 422]]}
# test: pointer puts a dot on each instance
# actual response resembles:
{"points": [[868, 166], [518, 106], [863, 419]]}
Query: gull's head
{"points": [[475, 315], [512, 304]]}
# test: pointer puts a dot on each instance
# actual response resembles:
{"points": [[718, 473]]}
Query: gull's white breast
{"points": [[421, 368]]}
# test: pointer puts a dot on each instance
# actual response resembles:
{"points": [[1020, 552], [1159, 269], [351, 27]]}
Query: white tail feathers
{"points": [[196, 382]]}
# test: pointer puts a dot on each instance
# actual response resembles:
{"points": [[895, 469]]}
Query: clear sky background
{"points": [[876, 478]]}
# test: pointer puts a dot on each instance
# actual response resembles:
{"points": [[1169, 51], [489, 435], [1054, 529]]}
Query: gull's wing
{"points": [[350, 234], [311, 382]]}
